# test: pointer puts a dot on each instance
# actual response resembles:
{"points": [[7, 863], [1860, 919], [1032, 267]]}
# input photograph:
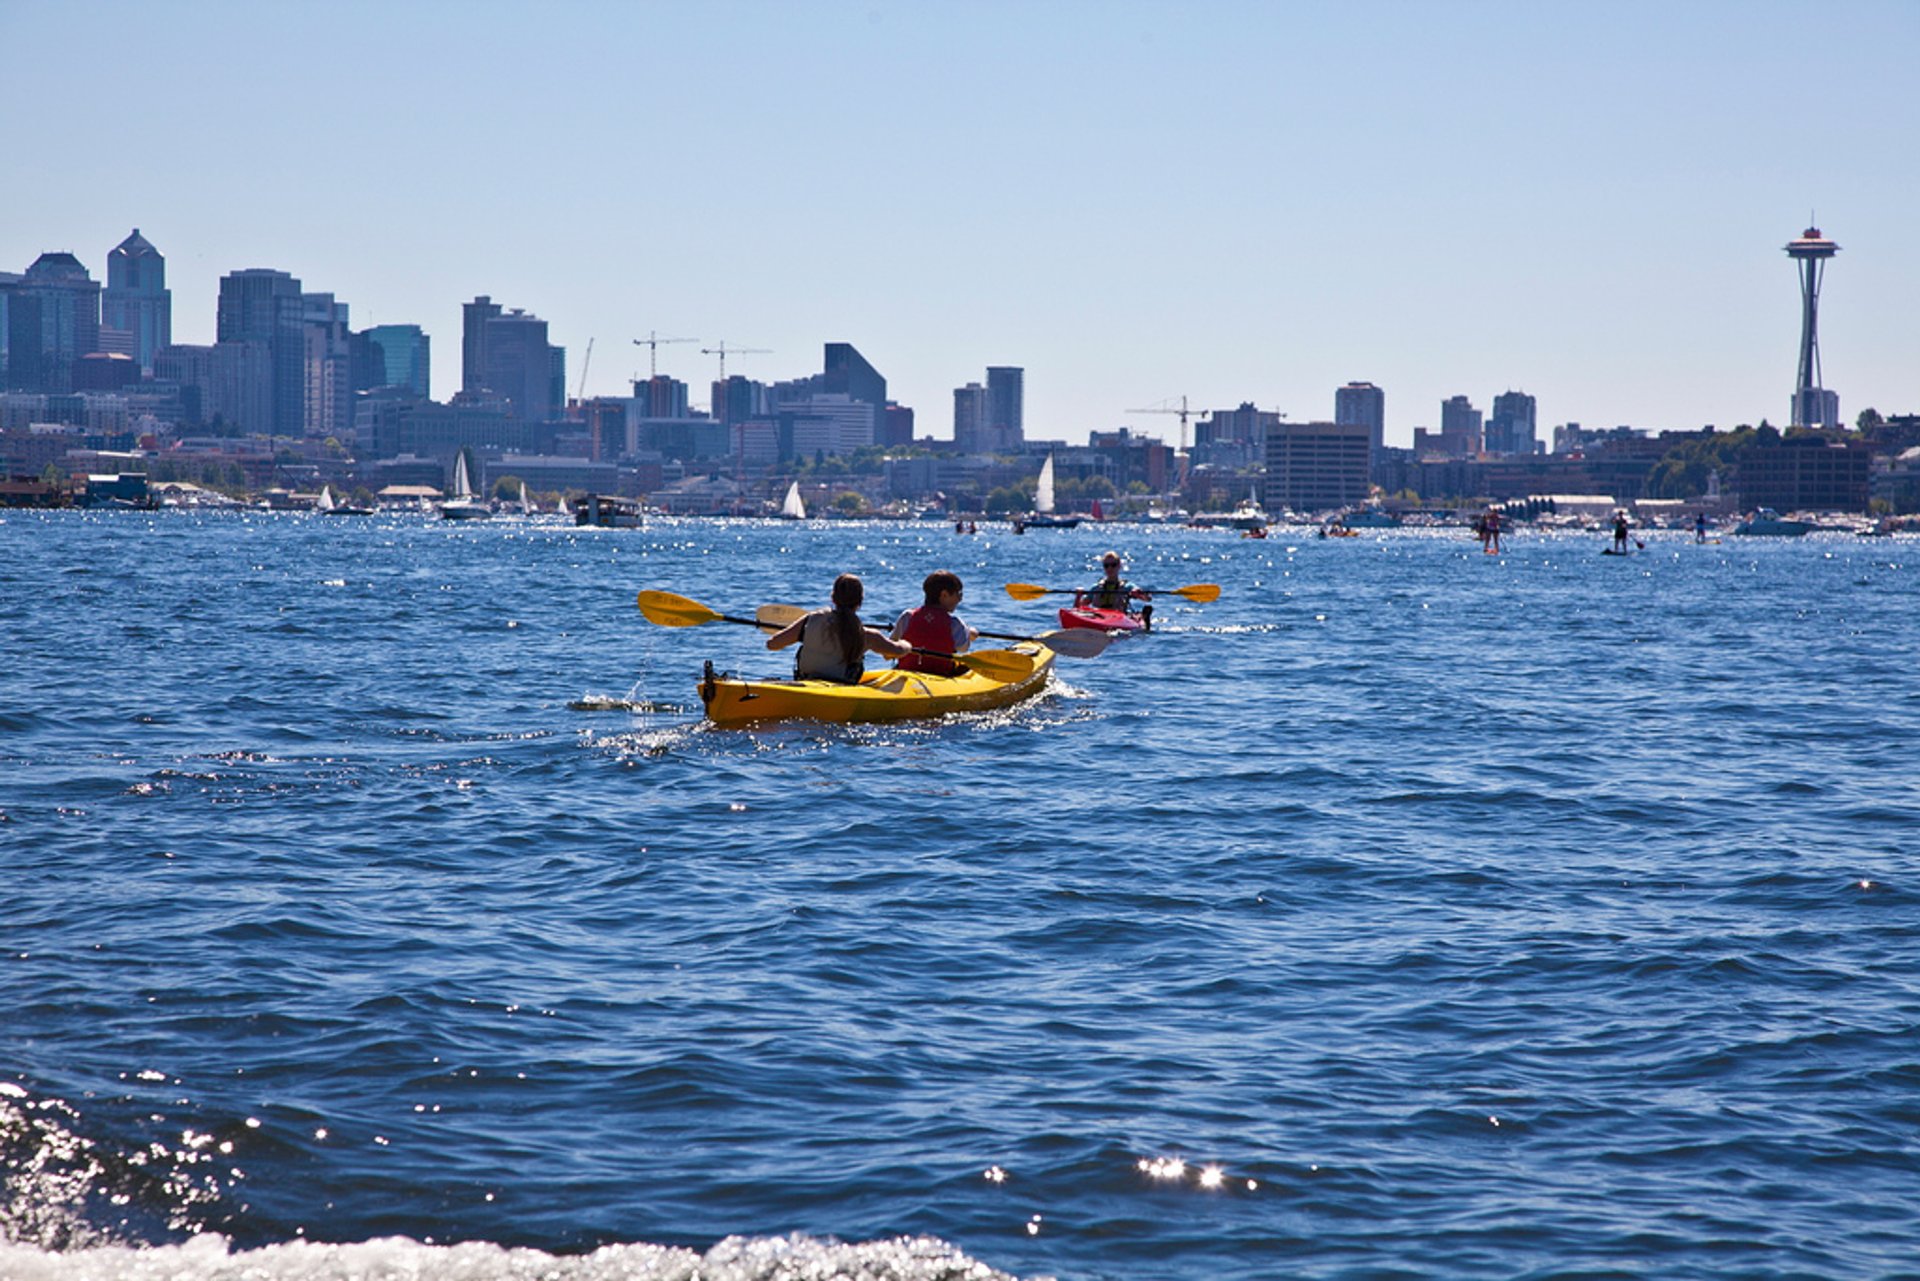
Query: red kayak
{"points": [[1106, 620]]}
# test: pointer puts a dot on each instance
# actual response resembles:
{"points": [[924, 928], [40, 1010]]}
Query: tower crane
{"points": [[1167, 408], [723, 351], [652, 342]]}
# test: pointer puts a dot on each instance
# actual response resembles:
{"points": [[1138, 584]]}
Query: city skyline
{"points": [[1164, 201]]}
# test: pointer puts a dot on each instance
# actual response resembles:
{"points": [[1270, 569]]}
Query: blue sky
{"points": [[1133, 201]]}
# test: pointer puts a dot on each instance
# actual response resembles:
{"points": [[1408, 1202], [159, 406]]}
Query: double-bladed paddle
{"points": [[1199, 592], [1073, 643], [666, 609]]}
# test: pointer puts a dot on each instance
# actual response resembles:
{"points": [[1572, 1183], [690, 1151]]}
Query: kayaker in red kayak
{"points": [[834, 642], [1113, 592], [934, 626]]}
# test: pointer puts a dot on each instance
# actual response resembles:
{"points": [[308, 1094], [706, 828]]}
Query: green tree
{"points": [[849, 502], [507, 489]]}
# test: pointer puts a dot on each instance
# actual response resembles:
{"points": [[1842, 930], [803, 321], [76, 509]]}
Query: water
{"points": [[1406, 912]]}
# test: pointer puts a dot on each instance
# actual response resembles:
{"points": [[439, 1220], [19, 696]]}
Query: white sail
{"points": [[526, 507], [1043, 489], [792, 508], [565, 511], [326, 498], [462, 483]]}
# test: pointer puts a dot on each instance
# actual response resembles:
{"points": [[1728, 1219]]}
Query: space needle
{"points": [[1810, 253]]}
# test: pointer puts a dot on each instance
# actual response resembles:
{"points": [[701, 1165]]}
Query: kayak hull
{"points": [[885, 695], [1105, 620]]}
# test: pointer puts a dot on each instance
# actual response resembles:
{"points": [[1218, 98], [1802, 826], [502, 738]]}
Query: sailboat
{"points": [[526, 505], [462, 506], [791, 508], [327, 506], [1043, 516]]}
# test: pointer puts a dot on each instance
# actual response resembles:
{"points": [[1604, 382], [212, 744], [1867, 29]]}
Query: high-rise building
{"points": [[53, 319], [896, 424], [1362, 405], [259, 305], [506, 355], [1813, 406], [1511, 428], [1315, 467], [473, 343], [1460, 427], [847, 373], [970, 419], [395, 356], [326, 346], [1006, 407], [137, 301]]}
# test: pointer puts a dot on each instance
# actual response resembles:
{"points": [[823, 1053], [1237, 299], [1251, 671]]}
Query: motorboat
{"points": [[1766, 522]]}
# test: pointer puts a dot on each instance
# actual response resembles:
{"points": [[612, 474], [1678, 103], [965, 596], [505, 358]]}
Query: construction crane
{"points": [[586, 363], [652, 342], [723, 351], [1166, 408]]}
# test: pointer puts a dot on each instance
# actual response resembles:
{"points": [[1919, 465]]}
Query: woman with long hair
{"points": [[834, 642]]}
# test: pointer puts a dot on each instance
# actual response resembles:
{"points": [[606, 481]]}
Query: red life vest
{"points": [[929, 627]]}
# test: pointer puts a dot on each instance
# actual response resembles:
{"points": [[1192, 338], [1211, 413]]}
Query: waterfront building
{"points": [[1317, 466], [1511, 429], [1233, 438], [1805, 473], [1813, 405], [1361, 404], [137, 302]]}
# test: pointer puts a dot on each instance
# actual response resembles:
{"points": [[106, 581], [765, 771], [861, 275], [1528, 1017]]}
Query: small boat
{"points": [[1766, 522], [463, 505], [526, 504], [1043, 516], [885, 695], [791, 508], [1106, 620], [327, 506]]}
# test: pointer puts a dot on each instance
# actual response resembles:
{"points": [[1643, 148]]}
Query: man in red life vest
{"points": [[934, 626]]}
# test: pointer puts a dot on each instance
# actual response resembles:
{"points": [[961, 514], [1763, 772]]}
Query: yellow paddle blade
{"points": [[1201, 592], [669, 610], [999, 664], [1026, 591], [776, 617]]}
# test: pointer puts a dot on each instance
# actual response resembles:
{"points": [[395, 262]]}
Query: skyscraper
{"points": [[970, 419], [53, 319], [1362, 405], [1511, 428], [1006, 407], [397, 356], [259, 305], [1460, 431], [1813, 406], [137, 300], [506, 355], [847, 372]]}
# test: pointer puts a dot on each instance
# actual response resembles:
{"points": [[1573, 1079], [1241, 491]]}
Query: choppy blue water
{"points": [[1406, 912]]}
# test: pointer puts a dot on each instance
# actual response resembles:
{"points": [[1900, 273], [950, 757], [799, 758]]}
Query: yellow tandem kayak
{"points": [[885, 695]]}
